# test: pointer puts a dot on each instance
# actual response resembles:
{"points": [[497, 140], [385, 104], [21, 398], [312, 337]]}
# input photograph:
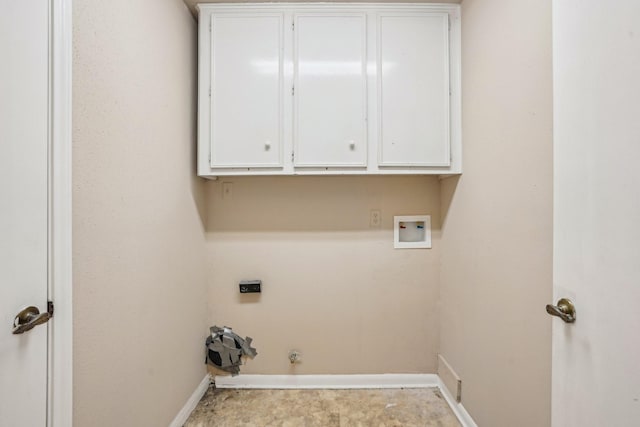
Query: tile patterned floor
{"points": [[323, 408]]}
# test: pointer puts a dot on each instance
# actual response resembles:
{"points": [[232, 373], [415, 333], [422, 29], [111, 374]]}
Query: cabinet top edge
{"points": [[450, 7]]}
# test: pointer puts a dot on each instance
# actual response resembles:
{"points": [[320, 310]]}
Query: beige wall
{"points": [[139, 271], [497, 232], [334, 288]]}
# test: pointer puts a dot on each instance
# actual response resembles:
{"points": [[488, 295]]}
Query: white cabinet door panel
{"points": [[246, 98], [330, 81], [413, 91]]}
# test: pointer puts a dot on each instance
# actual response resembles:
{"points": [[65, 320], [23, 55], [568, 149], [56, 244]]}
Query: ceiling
{"points": [[192, 3]]}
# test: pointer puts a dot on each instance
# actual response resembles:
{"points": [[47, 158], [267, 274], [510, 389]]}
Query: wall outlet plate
{"points": [[375, 218]]}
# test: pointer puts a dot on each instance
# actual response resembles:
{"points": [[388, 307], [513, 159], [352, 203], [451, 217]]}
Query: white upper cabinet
{"points": [[246, 90], [329, 88], [413, 89]]}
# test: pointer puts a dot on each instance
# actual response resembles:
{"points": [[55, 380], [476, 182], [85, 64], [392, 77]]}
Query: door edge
{"points": [[60, 332]]}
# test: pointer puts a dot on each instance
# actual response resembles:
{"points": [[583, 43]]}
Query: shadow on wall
{"points": [[199, 196], [323, 203], [447, 191]]}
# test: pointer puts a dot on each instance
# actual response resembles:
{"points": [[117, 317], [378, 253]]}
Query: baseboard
{"points": [[328, 381], [461, 414], [192, 402]]}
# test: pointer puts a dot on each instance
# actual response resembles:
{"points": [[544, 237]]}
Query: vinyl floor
{"points": [[323, 408]]}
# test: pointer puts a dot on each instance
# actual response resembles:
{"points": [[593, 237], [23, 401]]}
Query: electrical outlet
{"points": [[227, 190], [250, 286], [375, 218]]}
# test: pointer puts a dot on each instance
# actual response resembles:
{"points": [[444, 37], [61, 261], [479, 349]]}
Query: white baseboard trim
{"points": [[461, 414], [328, 381], [192, 402]]}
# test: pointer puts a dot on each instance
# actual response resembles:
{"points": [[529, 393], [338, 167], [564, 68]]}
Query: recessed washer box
{"points": [[412, 232]]}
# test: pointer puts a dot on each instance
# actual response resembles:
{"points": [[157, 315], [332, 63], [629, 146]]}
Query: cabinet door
{"points": [[330, 90], [246, 89], [413, 91]]}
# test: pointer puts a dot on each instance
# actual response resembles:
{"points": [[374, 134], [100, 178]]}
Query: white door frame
{"points": [[60, 339]]}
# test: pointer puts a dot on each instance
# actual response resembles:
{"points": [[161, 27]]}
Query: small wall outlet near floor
{"points": [[295, 356]]}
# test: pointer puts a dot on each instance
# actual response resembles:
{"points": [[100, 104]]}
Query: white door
{"points": [[596, 360], [24, 109]]}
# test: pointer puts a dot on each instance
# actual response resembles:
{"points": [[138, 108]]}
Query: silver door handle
{"points": [[29, 318], [564, 310]]}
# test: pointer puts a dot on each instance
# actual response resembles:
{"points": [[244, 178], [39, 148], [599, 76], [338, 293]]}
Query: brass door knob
{"points": [[29, 318], [564, 310]]}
